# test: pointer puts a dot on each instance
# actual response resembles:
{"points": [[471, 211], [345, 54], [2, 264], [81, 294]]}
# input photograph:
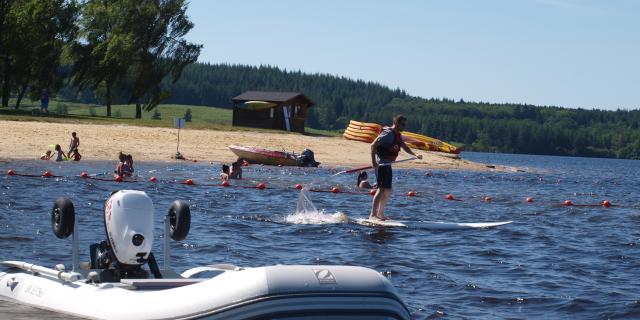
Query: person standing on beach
{"points": [[74, 143], [44, 101], [73, 147], [384, 151]]}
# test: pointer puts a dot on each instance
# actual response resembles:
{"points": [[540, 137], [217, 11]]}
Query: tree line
{"points": [[117, 49]]}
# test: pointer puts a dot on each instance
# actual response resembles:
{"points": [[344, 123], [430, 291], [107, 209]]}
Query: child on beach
{"points": [[60, 155], [73, 153], [74, 143], [236, 170], [75, 156], [47, 155]]}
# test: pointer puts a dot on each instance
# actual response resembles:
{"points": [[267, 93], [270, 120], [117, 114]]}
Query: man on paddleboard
{"points": [[384, 150]]}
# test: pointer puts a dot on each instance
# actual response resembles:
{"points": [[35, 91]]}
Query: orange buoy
{"points": [[335, 190], [529, 199], [84, 174], [373, 192], [10, 172], [606, 203], [153, 179], [119, 179], [188, 182], [298, 186], [225, 183], [47, 174], [568, 203], [411, 193], [261, 185], [450, 197], [487, 198]]}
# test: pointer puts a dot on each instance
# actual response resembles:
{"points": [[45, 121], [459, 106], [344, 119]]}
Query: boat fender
{"points": [[62, 218], [179, 220]]}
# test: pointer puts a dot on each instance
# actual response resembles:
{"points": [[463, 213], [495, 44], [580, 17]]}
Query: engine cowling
{"points": [[128, 219]]}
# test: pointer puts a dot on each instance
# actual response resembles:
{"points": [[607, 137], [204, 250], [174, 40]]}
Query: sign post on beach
{"points": [[178, 123]]}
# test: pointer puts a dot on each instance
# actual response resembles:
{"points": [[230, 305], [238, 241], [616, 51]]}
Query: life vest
{"points": [[390, 152]]}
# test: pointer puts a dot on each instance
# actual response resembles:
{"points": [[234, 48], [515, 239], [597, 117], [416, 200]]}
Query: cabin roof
{"points": [[271, 96]]}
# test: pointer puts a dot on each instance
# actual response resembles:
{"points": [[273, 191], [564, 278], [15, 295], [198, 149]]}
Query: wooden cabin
{"points": [[271, 110]]}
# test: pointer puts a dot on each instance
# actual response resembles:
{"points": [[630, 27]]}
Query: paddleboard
{"points": [[380, 223], [430, 225], [440, 225]]}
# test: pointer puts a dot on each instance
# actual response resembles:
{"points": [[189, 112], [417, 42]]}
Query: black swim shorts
{"points": [[383, 177]]}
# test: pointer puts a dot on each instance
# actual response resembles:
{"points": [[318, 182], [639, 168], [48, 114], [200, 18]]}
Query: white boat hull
{"points": [[264, 292]]}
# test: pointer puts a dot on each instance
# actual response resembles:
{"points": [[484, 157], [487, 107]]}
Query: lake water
{"points": [[552, 262]]}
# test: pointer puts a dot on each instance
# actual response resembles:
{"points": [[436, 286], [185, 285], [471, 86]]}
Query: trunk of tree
{"points": [[21, 95], [5, 82], [138, 110], [108, 99]]}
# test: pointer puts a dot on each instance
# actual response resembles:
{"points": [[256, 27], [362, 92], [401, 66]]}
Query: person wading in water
{"points": [[384, 150]]}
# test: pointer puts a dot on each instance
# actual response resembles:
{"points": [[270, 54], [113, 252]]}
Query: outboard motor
{"points": [[307, 159], [128, 221]]}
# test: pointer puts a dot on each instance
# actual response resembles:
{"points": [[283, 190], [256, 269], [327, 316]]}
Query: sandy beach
{"points": [[30, 139]]}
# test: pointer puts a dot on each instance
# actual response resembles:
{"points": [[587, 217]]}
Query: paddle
{"points": [[369, 167]]}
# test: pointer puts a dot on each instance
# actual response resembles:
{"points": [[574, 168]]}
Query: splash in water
{"points": [[305, 205], [307, 213]]}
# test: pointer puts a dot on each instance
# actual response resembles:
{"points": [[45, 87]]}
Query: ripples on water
{"points": [[551, 262]]}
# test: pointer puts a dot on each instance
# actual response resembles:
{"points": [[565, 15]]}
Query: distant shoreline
{"points": [[28, 140]]}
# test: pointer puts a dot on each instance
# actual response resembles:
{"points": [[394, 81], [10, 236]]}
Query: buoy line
{"points": [[297, 186]]}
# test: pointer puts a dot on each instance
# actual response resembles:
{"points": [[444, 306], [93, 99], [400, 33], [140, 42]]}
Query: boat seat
{"points": [[155, 284]]}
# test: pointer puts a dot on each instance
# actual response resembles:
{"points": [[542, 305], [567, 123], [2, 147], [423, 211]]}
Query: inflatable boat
{"points": [[124, 281]]}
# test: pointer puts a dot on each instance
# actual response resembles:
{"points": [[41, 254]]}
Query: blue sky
{"points": [[569, 53]]}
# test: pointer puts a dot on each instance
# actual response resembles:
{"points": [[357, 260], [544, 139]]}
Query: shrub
{"points": [[187, 115], [117, 114]]}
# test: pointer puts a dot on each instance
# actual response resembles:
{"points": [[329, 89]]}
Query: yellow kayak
{"points": [[367, 132]]}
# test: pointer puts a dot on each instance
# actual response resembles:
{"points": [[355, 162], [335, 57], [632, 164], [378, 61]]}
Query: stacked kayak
{"points": [[418, 141], [362, 131], [367, 132]]}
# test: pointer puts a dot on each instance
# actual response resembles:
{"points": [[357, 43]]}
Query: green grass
{"points": [[201, 117]]}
